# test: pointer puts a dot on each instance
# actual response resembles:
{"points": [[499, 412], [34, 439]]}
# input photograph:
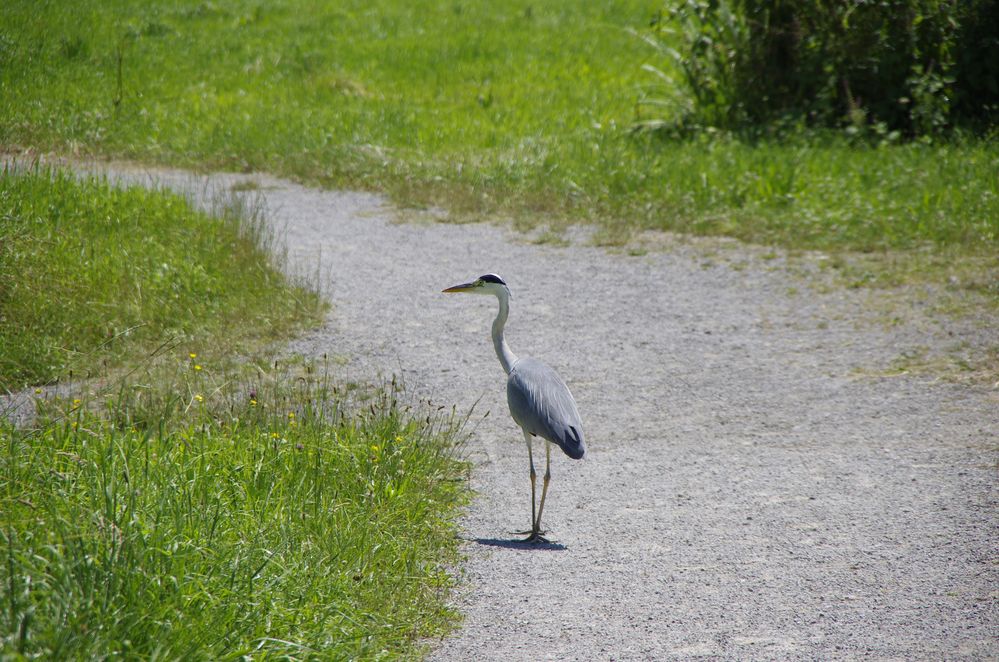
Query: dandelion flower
{"points": [[193, 355], [197, 366]]}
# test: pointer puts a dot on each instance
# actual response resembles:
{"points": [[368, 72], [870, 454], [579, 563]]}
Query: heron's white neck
{"points": [[503, 353]]}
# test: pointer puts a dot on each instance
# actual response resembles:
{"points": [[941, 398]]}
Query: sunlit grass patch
{"points": [[92, 273], [517, 109], [199, 514]]}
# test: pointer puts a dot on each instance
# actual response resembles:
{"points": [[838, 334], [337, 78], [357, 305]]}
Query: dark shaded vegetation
{"points": [[917, 67]]}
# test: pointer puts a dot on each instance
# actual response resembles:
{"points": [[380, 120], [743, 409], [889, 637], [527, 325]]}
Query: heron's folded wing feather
{"points": [[542, 404]]}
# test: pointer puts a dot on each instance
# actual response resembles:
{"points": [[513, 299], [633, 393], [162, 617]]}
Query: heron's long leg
{"points": [[544, 487], [530, 457]]}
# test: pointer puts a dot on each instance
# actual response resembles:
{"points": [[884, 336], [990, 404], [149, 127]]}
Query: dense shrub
{"points": [[976, 70], [915, 66]]}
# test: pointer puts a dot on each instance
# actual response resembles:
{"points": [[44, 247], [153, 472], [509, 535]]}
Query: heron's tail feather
{"points": [[572, 442]]}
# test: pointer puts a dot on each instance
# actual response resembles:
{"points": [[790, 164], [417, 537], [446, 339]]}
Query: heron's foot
{"points": [[527, 532], [536, 537]]}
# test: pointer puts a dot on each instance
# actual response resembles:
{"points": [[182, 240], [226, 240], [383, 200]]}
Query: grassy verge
{"points": [[214, 517], [515, 108], [91, 274], [189, 502]]}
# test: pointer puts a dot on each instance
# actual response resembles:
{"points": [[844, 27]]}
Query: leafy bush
{"points": [[977, 64], [914, 66]]}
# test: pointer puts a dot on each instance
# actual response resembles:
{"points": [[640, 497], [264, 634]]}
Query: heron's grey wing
{"points": [[541, 403]]}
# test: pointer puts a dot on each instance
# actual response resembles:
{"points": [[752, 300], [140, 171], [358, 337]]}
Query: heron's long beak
{"points": [[464, 287]]}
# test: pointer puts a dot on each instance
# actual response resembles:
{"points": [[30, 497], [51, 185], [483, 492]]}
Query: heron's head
{"points": [[487, 284]]}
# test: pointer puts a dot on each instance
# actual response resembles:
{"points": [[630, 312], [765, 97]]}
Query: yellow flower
{"points": [[76, 401], [38, 390], [398, 438], [193, 355], [197, 366], [253, 403], [291, 414], [198, 397], [375, 448], [274, 435]]}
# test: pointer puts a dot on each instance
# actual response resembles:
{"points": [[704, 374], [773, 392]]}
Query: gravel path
{"points": [[747, 492]]}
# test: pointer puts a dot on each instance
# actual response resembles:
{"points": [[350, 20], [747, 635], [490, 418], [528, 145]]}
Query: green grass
{"points": [[92, 274], [519, 109], [214, 517], [193, 500], [819, 191], [183, 513]]}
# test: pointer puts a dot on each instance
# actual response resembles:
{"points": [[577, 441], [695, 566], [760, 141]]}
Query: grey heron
{"points": [[539, 400]]}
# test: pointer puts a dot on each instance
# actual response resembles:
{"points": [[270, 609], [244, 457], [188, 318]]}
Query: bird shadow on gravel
{"points": [[522, 544]]}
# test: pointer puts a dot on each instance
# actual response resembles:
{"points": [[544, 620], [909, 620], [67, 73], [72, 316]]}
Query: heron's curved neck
{"points": [[503, 353]]}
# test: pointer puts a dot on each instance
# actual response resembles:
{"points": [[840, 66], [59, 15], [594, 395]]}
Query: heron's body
{"points": [[539, 400], [542, 405]]}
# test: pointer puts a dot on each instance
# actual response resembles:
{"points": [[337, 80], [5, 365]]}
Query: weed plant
{"points": [[205, 514]]}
